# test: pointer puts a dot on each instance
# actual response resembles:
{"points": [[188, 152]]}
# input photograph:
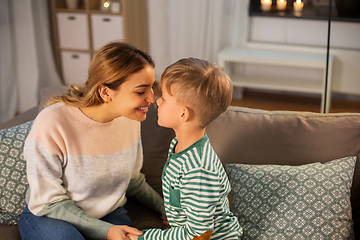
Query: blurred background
{"points": [[299, 55]]}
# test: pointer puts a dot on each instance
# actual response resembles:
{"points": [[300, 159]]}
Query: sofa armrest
{"points": [[45, 94], [21, 118]]}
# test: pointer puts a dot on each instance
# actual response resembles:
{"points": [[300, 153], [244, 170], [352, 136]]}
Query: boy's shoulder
{"points": [[201, 155]]}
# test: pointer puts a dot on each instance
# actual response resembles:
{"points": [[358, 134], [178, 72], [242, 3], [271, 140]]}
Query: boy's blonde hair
{"points": [[201, 86]]}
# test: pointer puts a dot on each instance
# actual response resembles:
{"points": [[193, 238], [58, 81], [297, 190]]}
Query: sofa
{"points": [[294, 175]]}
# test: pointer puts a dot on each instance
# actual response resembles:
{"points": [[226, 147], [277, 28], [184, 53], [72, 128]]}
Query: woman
{"points": [[84, 152]]}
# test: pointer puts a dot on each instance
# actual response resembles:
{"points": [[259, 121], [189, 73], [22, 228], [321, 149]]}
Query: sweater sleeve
{"points": [[66, 210], [144, 193], [48, 196], [199, 194]]}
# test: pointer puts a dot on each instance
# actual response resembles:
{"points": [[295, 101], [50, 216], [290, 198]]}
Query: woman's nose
{"points": [[151, 97]]}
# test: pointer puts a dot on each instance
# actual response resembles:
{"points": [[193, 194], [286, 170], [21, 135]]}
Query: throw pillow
{"points": [[310, 201], [13, 181]]}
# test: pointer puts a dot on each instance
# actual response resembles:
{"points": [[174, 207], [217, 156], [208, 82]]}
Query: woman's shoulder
{"points": [[52, 113], [51, 109], [52, 117]]}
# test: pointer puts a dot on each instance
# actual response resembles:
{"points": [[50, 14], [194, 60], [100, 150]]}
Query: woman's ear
{"points": [[104, 93]]}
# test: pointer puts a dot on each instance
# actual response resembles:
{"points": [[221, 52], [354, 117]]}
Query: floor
{"points": [[277, 101]]}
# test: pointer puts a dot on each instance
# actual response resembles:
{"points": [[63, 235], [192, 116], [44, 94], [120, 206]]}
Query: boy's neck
{"points": [[187, 138]]}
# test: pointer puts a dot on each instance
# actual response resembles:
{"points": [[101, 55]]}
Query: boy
{"points": [[195, 185]]}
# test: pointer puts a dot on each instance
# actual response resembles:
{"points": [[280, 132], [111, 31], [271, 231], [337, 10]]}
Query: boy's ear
{"points": [[104, 93], [185, 114]]}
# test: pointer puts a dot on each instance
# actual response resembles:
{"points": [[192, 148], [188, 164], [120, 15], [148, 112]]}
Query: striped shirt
{"points": [[195, 188]]}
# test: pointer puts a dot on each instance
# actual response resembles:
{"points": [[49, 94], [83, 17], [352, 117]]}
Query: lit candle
{"points": [[105, 5], [266, 5], [298, 6], [281, 4]]}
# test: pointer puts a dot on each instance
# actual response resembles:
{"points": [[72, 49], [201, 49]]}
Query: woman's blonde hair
{"points": [[199, 85], [110, 67]]}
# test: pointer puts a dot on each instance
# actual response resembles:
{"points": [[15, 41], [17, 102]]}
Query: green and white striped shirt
{"points": [[195, 188]]}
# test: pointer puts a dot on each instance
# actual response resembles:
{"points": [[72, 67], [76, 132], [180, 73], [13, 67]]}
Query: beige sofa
{"points": [[271, 202]]}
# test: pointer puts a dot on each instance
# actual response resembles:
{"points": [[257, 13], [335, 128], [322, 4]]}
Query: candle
{"points": [[281, 4], [105, 5], [72, 4], [298, 6], [266, 5]]}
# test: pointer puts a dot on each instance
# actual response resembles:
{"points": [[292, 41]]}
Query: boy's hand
{"points": [[117, 232], [205, 236], [132, 237], [165, 221]]}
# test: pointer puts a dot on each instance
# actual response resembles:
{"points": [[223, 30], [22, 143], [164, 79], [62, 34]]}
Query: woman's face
{"points": [[134, 96]]}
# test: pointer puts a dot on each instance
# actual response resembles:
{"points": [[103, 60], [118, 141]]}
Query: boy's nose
{"points": [[158, 102]]}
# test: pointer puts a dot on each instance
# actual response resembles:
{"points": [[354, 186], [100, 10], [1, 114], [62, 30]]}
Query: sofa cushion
{"points": [[13, 181], [21, 118], [156, 142], [9, 232], [251, 136], [143, 217], [309, 201]]}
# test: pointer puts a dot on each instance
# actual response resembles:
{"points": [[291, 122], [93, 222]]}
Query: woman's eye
{"points": [[140, 93]]}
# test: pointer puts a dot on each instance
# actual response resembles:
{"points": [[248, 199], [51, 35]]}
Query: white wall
{"points": [[311, 36]]}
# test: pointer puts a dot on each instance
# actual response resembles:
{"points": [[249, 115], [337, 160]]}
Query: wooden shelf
{"points": [[129, 24]]}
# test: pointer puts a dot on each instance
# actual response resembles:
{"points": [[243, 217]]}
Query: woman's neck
{"points": [[97, 113]]}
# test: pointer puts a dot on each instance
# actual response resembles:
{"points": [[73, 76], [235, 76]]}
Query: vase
{"points": [[72, 4], [348, 8]]}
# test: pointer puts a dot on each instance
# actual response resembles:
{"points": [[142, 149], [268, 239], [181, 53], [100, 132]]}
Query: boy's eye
{"points": [[140, 93]]}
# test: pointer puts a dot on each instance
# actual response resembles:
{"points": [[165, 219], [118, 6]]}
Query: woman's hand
{"points": [[132, 237], [118, 232]]}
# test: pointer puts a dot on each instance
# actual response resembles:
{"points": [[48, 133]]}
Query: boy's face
{"points": [[169, 110]]}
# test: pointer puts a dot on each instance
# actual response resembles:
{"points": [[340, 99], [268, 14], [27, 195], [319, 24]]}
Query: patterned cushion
{"points": [[293, 202], [13, 181]]}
